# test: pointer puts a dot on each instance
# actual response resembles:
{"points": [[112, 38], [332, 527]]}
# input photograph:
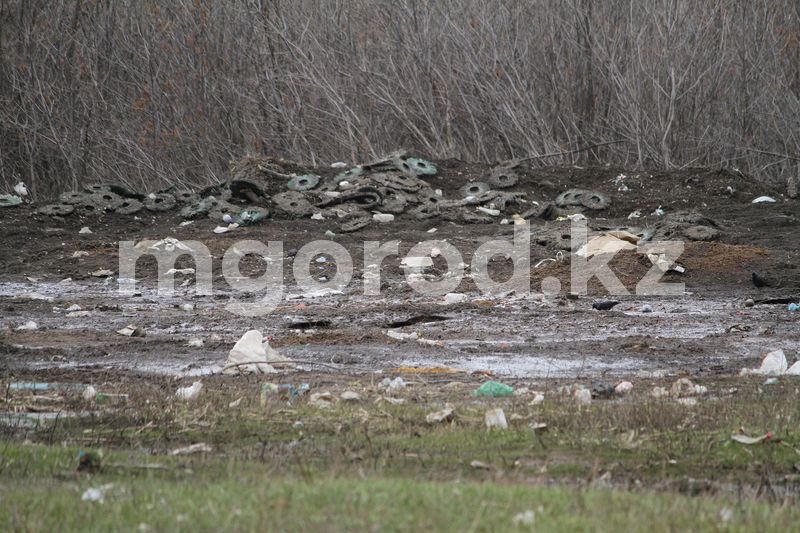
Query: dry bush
{"points": [[149, 93]]}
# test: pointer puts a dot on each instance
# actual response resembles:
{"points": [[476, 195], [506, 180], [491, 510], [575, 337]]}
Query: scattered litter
{"points": [[793, 307], [131, 331], [317, 216], [227, 219], [383, 217], [744, 439], [235, 403], [684, 387], [480, 465], [582, 396], [525, 518], [285, 392], [170, 244], [494, 389], [389, 399], [252, 353], [646, 308], [90, 460], [339, 164], [78, 314], [770, 381], [658, 212], [80, 253], [102, 273], [610, 243], [187, 307], [392, 384], [495, 419], [89, 393], [191, 392], [97, 494], [764, 200], [396, 334], [635, 214], [623, 388], [445, 415], [323, 400], [452, 298], [660, 261], [181, 271], [39, 386], [196, 342], [30, 325], [200, 447], [85, 231], [21, 189], [319, 293], [773, 364], [9, 200], [225, 229], [350, 396]]}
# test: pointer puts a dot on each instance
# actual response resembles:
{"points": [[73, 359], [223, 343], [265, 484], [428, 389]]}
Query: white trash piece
{"points": [[764, 200], [392, 384], [258, 355], [495, 419], [85, 231], [454, 298], [89, 393], [383, 217], [30, 325], [445, 415], [773, 364], [97, 494], [191, 392], [623, 388]]}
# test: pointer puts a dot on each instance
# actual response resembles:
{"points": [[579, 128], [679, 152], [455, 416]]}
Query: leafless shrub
{"points": [[150, 93]]}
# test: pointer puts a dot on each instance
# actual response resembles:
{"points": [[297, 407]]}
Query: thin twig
{"points": [[774, 154], [555, 154]]}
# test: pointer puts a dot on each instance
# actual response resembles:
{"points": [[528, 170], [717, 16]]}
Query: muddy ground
{"points": [[707, 331]]}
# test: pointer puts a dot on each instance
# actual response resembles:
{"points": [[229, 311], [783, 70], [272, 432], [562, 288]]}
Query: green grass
{"points": [[194, 495], [637, 463]]}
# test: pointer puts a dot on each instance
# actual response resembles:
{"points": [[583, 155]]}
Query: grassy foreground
{"points": [[248, 496], [635, 462]]}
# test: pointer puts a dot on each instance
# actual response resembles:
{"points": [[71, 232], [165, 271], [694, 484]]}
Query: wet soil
{"points": [[706, 330]]}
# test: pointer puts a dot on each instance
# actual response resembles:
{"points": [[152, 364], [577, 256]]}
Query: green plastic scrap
{"points": [[198, 208], [494, 390], [250, 216], [9, 200]]}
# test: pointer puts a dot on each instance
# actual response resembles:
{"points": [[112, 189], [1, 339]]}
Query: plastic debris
{"points": [[495, 419], [131, 331], [323, 400], [350, 396], [285, 391], [793, 307], [30, 325], [525, 518], [97, 494], [102, 273], [684, 387], [383, 217], [392, 384], [9, 200], [89, 393], [494, 389], [85, 231], [197, 342], [773, 364], [90, 460], [200, 447], [623, 388], [582, 396], [21, 189], [610, 243], [764, 200], [191, 392], [452, 298], [744, 439], [646, 308], [437, 417], [252, 353]]}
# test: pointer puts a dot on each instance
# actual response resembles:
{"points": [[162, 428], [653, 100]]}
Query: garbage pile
{"points": [[355, 197]]}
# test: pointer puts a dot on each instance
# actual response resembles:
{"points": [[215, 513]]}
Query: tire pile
{"points": [[394, 184]]}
